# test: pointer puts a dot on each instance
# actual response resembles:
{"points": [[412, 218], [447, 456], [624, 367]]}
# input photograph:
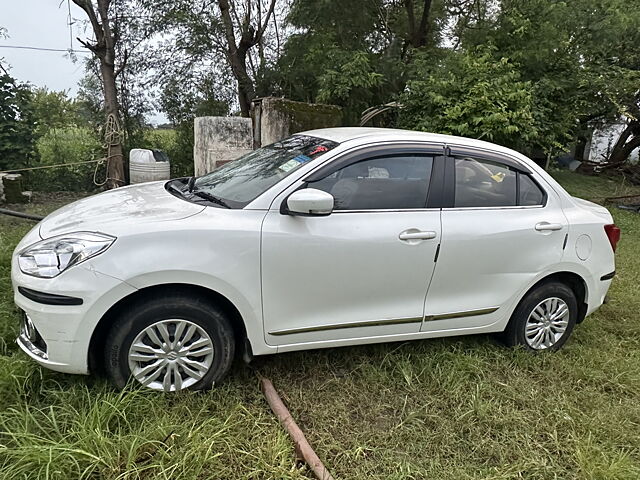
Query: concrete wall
{"points": [[277, 118], [219, 140]]}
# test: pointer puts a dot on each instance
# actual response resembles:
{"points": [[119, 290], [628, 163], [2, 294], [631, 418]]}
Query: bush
{"points": [[472, 94], [66, 145], [176, 143]]}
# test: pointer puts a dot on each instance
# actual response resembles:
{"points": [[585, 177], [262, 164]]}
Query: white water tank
{"points": [[148, 166]]}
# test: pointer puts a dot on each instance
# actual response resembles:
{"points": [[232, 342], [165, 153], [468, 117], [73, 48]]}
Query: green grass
{"points": [[460, 408]]}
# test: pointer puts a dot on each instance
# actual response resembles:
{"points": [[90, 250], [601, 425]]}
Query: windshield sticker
{"points": [[301, 158], [290, 165]]}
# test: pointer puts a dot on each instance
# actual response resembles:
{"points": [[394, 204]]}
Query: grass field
{"points": [[459, 408]]}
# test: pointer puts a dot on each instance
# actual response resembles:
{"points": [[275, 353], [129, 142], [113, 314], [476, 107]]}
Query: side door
{"points": [[501, 226], [365, 269]]}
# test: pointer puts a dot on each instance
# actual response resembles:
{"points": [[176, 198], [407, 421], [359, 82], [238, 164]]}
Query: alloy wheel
{"points": [[547, 323], [171, 355]]}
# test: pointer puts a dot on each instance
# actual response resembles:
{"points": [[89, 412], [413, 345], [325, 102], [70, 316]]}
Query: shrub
{"points": [[66, 145], [471, 94], [177, 144]]}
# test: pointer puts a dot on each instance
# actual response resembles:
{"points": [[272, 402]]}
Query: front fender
{"points": [[249, 308]]}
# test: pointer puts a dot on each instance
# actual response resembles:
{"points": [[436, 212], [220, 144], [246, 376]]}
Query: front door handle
{"points": [[547, 227], [413, 234]]}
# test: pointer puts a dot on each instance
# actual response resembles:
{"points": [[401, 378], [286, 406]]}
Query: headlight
{"points": [[51, 257]]}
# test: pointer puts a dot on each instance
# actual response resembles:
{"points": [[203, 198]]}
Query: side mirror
{"points": [[310, 202]]}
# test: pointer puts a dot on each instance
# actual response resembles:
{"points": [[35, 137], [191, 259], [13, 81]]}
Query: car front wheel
{"points": [[171, 343], [544, 319]]}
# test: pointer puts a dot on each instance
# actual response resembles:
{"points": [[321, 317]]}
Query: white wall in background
{"points": [[603, 140]]}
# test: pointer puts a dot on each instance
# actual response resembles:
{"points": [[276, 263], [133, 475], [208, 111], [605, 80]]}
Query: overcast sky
{"points": [[41, 23], [45, 24]]}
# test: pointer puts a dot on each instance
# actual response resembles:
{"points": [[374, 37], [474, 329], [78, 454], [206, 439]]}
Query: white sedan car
{"points": [[331, 237]]}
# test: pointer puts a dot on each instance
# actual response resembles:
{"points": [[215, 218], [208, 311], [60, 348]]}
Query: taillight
{"points": [[613, 234]]}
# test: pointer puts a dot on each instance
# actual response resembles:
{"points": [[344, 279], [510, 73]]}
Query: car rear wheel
{"points": [[170, 344], [544, 319]]}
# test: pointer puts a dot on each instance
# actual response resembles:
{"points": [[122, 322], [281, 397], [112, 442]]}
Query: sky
{"points": [[42, 23], [45, 24]]}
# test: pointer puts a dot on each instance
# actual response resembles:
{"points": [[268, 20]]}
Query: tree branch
{"points": [[93, 19], [408, 5], [87, 45], [424, 24], [227, 22], [263, 27], [123, 64]]}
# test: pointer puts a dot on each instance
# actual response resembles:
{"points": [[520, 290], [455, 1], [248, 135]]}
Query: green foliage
{"points": [[61, 135], [342, 53], [581, 58], [181, 155], [474, 95], [17, 123], [352, 82], [54, 110], [176, 143], [66, 144]]}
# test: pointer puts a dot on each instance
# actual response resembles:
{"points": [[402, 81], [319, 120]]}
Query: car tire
{"points": [[184, 341], [538, 324]]}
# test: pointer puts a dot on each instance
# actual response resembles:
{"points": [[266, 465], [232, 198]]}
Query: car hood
{"points": [[118, 210]]}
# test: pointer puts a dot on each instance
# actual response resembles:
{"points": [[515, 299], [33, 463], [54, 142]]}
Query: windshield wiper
{"points": [[175, 189], [191, 183], [211, 198]]}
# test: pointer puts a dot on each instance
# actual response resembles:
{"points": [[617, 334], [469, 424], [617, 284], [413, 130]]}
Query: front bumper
{"points": [[65, 330]]}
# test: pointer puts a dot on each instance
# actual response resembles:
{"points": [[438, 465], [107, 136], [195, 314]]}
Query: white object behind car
{"points": [[143, 167]]}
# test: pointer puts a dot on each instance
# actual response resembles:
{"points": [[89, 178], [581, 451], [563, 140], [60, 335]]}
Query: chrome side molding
{"points": [[378, 323], [337, 326], [467, 313]]}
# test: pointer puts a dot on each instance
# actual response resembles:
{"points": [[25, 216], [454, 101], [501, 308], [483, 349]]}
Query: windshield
{"points": [[240, 181]]}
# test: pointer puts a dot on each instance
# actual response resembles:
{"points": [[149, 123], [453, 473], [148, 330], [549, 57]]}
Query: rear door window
{"points": [[482, 183]]}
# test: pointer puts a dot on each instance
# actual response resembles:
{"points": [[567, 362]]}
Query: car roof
{"points": [[363, 135]]}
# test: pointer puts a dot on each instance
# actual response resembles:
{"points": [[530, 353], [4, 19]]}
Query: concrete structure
{"points": [[11, 189], [276, 118], [218, 140]]}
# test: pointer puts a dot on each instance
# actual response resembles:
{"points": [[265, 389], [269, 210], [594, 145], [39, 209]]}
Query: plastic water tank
{"points": [[148, 166]]}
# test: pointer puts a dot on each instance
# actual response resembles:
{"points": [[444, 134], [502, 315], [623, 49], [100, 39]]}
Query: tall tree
{"points": [[103, 17], [355, 54], [228, 38], [581, 58], [250, 35]]}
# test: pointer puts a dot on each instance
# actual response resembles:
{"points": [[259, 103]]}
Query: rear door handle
{"points": [[546, 226], [417, 235]]}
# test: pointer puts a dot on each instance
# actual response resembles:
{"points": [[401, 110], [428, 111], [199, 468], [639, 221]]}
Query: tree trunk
{"points": [[237, 56], [581, 146], [417, 35], [246, 90], [628, 141], [115, 162], [104, 50]]}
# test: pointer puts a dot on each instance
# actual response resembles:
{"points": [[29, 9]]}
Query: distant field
{"points": [[450, 409]]}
